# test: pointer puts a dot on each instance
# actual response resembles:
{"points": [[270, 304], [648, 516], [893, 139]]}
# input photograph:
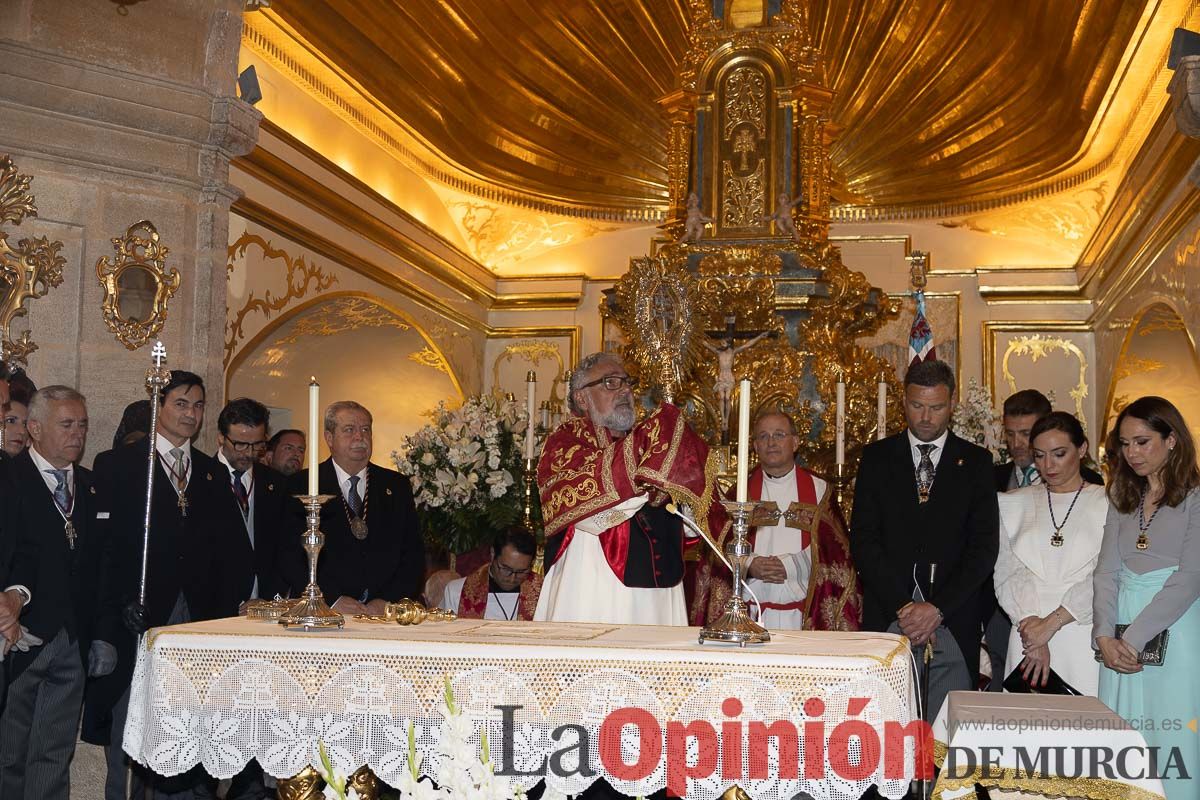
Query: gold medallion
{"points": [[358, 527]]}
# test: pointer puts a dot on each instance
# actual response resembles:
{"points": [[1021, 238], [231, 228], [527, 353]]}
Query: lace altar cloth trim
{"points": [[223, 692]]}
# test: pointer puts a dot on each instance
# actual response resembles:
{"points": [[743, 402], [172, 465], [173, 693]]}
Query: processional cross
{"points": [[725, 354]]}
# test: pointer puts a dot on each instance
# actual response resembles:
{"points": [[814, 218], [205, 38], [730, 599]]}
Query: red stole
{"points": [[473, 602], [806, 495]]}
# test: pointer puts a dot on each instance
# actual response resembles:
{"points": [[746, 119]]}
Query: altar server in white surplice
{"points": [[1050, 536]]}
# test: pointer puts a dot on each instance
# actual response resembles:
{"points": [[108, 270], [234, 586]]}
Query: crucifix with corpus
{"points": [[725, 353]]}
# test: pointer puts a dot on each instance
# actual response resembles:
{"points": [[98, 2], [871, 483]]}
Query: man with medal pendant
{"points": [[373, 552], [49, 534], [195, 569]]}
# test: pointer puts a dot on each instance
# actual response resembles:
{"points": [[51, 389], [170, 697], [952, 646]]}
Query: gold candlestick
{"points": [[312, 611], [839, 485], [734, 624]]}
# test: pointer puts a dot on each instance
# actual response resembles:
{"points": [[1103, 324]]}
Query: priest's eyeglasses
{"points": [[509, 572], [612, 382]]}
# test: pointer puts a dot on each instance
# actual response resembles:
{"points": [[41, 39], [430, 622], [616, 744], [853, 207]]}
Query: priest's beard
{"points": [[619, 420]]}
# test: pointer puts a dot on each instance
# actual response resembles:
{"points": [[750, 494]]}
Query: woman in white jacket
{"points": [[1050, 535]]}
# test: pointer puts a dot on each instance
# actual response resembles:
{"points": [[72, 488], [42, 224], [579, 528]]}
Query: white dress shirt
{"points": [[45, 469], [168, 458], [935, 455], [343, 479]]}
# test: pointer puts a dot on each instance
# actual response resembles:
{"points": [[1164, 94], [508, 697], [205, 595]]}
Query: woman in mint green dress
{"points": [[1148, 577]]}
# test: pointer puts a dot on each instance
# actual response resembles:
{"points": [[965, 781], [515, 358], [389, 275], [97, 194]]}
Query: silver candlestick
{"points": [[734, 624], [312, 611]]}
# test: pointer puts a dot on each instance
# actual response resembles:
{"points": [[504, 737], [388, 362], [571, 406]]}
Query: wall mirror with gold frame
{"points": [[137, 285]]}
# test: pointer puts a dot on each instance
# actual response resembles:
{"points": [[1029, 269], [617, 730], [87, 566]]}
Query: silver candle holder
{"points": [[735, 625], [312, 610]]}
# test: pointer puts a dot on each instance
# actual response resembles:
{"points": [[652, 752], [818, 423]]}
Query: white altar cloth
{"points": [[222, 692], [1020, 728]]}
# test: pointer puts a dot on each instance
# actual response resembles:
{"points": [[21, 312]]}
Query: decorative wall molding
{"points": [[1036, 347], [300, 278]]}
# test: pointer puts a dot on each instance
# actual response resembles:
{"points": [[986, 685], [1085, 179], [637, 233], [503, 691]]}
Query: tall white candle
{"points": [[530, 399], [743, 460], [314, 432], [881, 410], [839, 423]]}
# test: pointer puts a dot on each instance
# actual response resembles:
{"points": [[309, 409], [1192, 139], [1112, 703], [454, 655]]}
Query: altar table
{"points": [[1016, 727], [222, 692]]}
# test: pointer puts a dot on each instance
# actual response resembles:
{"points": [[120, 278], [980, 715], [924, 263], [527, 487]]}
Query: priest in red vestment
{"points": [[800, 569], [505, 587], [614, 553]]}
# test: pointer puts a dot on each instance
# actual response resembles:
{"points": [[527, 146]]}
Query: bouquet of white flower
{"points": [[461, 774], [466, 471], [977, 421]]}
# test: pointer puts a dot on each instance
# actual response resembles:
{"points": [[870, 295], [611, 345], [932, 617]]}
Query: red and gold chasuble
{"points": [[472, 604], [834, 600], [585, 471]]}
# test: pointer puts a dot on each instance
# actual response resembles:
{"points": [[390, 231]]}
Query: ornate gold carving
{"points": [[27, 272], [137, 285], [305, 785], [533, 351], [658, 302], [1037, 346], [746, 104], [340, 315], [501, 237], [428, 357], [743, 199], [301, 278]]}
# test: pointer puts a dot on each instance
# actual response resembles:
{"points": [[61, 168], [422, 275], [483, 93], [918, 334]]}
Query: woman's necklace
{"points": [[1143, 541], [1057, 539]]}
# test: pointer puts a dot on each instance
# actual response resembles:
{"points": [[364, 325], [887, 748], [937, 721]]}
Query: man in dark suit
{"points": [[373, 551], [191, 574], [49, 519], [924, 497], [1021, 411], [259, 494]]}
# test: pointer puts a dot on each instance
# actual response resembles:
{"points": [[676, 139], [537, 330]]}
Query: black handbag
{"points": [[1016, 683], [1154, 654]]}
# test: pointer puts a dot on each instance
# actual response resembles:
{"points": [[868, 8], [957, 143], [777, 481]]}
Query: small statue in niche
{"points": [[693, 230], [783, 216], [725, 353]]}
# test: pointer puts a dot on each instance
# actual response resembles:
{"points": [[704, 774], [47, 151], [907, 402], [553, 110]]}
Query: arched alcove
{"points": [[359, 348], [1158, 357]]}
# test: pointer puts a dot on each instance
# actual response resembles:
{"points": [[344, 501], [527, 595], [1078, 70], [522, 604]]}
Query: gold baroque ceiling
{"points": [[937, 101]]}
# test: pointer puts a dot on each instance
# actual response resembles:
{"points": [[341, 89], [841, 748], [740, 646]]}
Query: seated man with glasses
{"points": [[504, 588], [801, 570], [614, 553], [258, 493]]}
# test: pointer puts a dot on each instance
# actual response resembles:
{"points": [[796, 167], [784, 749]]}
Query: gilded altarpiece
{"points": [[766, 296]]}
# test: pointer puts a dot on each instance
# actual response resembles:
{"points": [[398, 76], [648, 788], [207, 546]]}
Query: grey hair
{"points": [[343, 405], [581, 371], [39, 404]]}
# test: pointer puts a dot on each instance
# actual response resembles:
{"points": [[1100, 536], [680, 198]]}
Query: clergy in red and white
{"points": [[800, 571]]}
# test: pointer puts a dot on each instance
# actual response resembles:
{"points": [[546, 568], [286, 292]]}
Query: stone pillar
{"points": [[122, 113]]}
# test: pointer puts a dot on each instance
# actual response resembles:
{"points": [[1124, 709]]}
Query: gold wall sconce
{"points": [[27, 271], [136, 285]]}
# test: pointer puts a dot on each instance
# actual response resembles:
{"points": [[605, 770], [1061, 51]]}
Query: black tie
{"points": [[239, 489]]}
